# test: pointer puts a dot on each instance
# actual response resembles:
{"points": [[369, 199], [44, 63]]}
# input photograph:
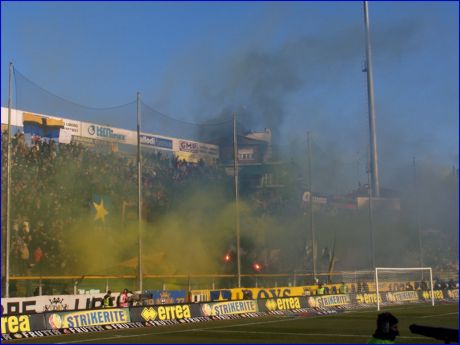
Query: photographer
{"points": [[387, 329]]}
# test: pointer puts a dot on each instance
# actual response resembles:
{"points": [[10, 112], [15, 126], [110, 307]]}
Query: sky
{"points": [[290, 66]]}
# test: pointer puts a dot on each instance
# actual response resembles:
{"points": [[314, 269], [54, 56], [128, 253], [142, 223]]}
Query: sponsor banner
{"points": [[156, 141], [90, 130], [328, 301], [367, 298], [22, 323], [400, 296], [39, 304], [281, 304], [31, 334], [95, 317], [201, 149], [72, 126], [426, 295], [229, 308], [188, 146], [166, 312], [452, 294]]}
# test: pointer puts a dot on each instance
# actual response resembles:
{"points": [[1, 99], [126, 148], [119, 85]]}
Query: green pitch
{"points": [[348, 327]]}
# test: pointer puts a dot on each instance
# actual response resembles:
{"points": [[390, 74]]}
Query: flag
{"points": [[101, 206]]}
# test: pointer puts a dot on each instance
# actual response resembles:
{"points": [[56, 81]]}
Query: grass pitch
{"points": [[354, 327]]}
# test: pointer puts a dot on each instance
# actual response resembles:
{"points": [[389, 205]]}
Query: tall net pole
{"points": [[139, 180], [237, 199], [8, 190]]}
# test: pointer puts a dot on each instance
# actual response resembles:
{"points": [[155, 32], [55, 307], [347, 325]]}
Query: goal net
{"points": [[402, 285]]}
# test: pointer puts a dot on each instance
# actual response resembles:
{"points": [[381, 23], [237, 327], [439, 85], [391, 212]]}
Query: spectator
{"points": [[387, 329], [107, 301], [343, 289], [123, 300]]}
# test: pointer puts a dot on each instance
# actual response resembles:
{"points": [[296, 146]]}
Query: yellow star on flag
{"points": [[101, 212]]}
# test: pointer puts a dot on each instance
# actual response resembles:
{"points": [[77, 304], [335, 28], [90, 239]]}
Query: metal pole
{"points": [[8, 190], [432, 288], [371, 216], [139, 187], [377, 288], [370, 92], [419, 226], [237, 198], [312, 225]]}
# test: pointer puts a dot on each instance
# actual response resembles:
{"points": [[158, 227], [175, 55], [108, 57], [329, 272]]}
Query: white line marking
{"points": [[303, 334], [436, 315]]}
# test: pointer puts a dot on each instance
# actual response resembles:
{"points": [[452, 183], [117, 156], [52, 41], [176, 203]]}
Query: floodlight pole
{"points": [[371, 214], [237, 199], [312, 224], [8, 189], [139, 187], [375, 182], [419, 225]]}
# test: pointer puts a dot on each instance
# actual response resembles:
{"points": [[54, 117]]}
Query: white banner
{"points": [[65, 137], [16, 117], [39, 304]]}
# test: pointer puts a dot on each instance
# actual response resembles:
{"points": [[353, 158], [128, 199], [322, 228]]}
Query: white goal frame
{"points": [[377, 269]]}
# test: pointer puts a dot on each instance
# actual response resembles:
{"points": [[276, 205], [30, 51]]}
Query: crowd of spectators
{"points": [[53, 184]]}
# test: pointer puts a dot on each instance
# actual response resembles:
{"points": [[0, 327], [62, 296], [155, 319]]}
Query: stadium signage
{"points": [[402, 296], [166, 312], [328, 301], [367, 298], [283, 304], [188, 146], [436, 293], [105, 132], [452, 294], [15, 323], [30, 334], [229, 308], [155, 141], [88, 318]]}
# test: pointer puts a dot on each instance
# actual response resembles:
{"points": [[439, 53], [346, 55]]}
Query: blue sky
{"points": [[293, 66]]}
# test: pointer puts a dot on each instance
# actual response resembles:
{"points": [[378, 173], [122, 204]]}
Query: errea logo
{"points": [[271, 305], [149, 314]]}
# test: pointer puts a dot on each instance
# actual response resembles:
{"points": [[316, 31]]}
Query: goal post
{"points": [[399, 273]]}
